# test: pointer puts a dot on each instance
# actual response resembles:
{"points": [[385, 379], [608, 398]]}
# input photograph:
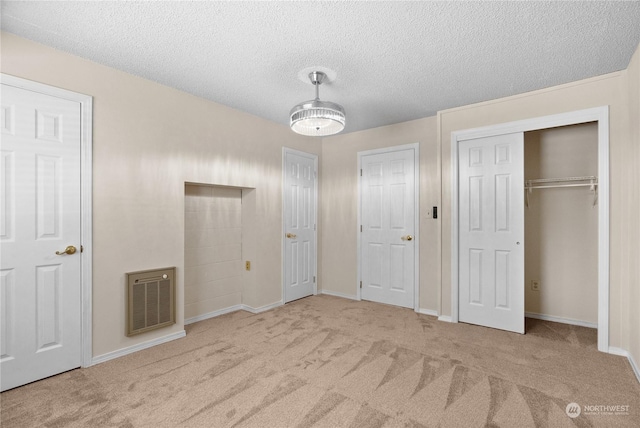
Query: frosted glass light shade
{"points": [[317, 118]]}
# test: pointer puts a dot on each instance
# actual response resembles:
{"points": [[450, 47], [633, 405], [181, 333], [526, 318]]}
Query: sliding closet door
{"points": [[491, 232]]}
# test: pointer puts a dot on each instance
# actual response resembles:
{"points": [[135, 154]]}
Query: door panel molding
{"points": [[596, 114], [416, 238], [314, 216], [86, 174], [491, 232]]}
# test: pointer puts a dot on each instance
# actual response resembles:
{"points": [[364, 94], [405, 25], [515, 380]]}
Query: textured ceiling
{"points": [[395, 61]]}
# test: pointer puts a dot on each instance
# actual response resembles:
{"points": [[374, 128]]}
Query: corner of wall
{"points": [[249, 232], [633, 81]]}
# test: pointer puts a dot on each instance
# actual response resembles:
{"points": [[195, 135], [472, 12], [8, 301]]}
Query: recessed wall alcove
{"points": [[218, 243]]}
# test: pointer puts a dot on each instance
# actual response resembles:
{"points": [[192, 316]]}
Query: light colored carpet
{"points": [[330, 362]]}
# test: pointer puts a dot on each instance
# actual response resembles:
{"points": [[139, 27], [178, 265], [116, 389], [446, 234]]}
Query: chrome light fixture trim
{"points": [[317, 118]]}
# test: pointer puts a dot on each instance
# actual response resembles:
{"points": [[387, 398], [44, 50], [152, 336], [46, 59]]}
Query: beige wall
{"points": [[213, 266], [340, 204], [339, 207], [148, 140], [561, 225], [633, 195]]}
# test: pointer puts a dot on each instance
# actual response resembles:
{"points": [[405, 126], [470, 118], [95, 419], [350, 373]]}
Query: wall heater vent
{"points": [[151, 296]]}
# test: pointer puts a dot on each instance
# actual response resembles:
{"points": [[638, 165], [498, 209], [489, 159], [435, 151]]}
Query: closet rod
{"points": [[560, 180], [552, 186], [546, 183]]}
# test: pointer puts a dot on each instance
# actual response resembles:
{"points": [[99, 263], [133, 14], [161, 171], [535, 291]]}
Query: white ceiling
{"points": [[395, 61]]}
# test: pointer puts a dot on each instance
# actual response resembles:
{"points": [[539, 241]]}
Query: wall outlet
{"points": [[247, 265], [535, 285]]}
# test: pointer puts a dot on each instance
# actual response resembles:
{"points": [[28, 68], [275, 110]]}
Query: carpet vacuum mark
{"points": [[323, 361]]}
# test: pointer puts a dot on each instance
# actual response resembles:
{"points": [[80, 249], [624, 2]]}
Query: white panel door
{"points": [[299, 225], [40, 214], [387, 242], [491, 232]]}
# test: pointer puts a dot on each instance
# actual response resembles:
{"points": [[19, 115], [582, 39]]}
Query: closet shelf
{"points": [[550, 183]]}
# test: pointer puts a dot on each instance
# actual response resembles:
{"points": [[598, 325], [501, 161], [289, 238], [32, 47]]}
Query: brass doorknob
{"points": [[407, 238], [69, 250], [291, 235]]}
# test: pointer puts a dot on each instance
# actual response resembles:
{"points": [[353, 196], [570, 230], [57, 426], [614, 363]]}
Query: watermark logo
{"points": [[608, 410], [573, 410]]}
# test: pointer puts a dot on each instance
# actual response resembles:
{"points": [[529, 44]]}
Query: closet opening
{"points": [[561, 233], [488, 176]]}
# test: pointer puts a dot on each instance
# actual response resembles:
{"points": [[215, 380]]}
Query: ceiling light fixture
{"points": [[317, 118]]}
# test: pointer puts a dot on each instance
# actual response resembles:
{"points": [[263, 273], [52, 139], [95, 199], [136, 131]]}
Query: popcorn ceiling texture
{"points": [[395, 61]]}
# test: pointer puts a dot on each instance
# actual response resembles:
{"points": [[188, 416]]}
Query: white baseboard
{"points": [[213, 314], [233, 308], [560, 320], [164, 339], [135, 348], [445, 318], [431, 312], [624, 353], [618, 351], [634, 366], [261, 308], [337, 294]]}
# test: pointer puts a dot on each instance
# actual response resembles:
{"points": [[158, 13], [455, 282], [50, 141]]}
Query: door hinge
{"points": [[314, 279], [360, 228], [360, 284], [360, 172], [314, 227]]}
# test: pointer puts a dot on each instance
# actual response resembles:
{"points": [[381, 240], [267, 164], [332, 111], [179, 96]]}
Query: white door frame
{"points": [[416, 217], [86, 135], [285, 151], [596, 114]]}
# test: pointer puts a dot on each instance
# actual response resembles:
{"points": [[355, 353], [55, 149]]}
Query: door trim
{"points": [[86, 174], [596, 114], [285, 151], [416, 217]]}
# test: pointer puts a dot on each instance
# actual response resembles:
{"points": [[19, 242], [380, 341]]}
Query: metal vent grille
{"points": [[150, 300]]}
